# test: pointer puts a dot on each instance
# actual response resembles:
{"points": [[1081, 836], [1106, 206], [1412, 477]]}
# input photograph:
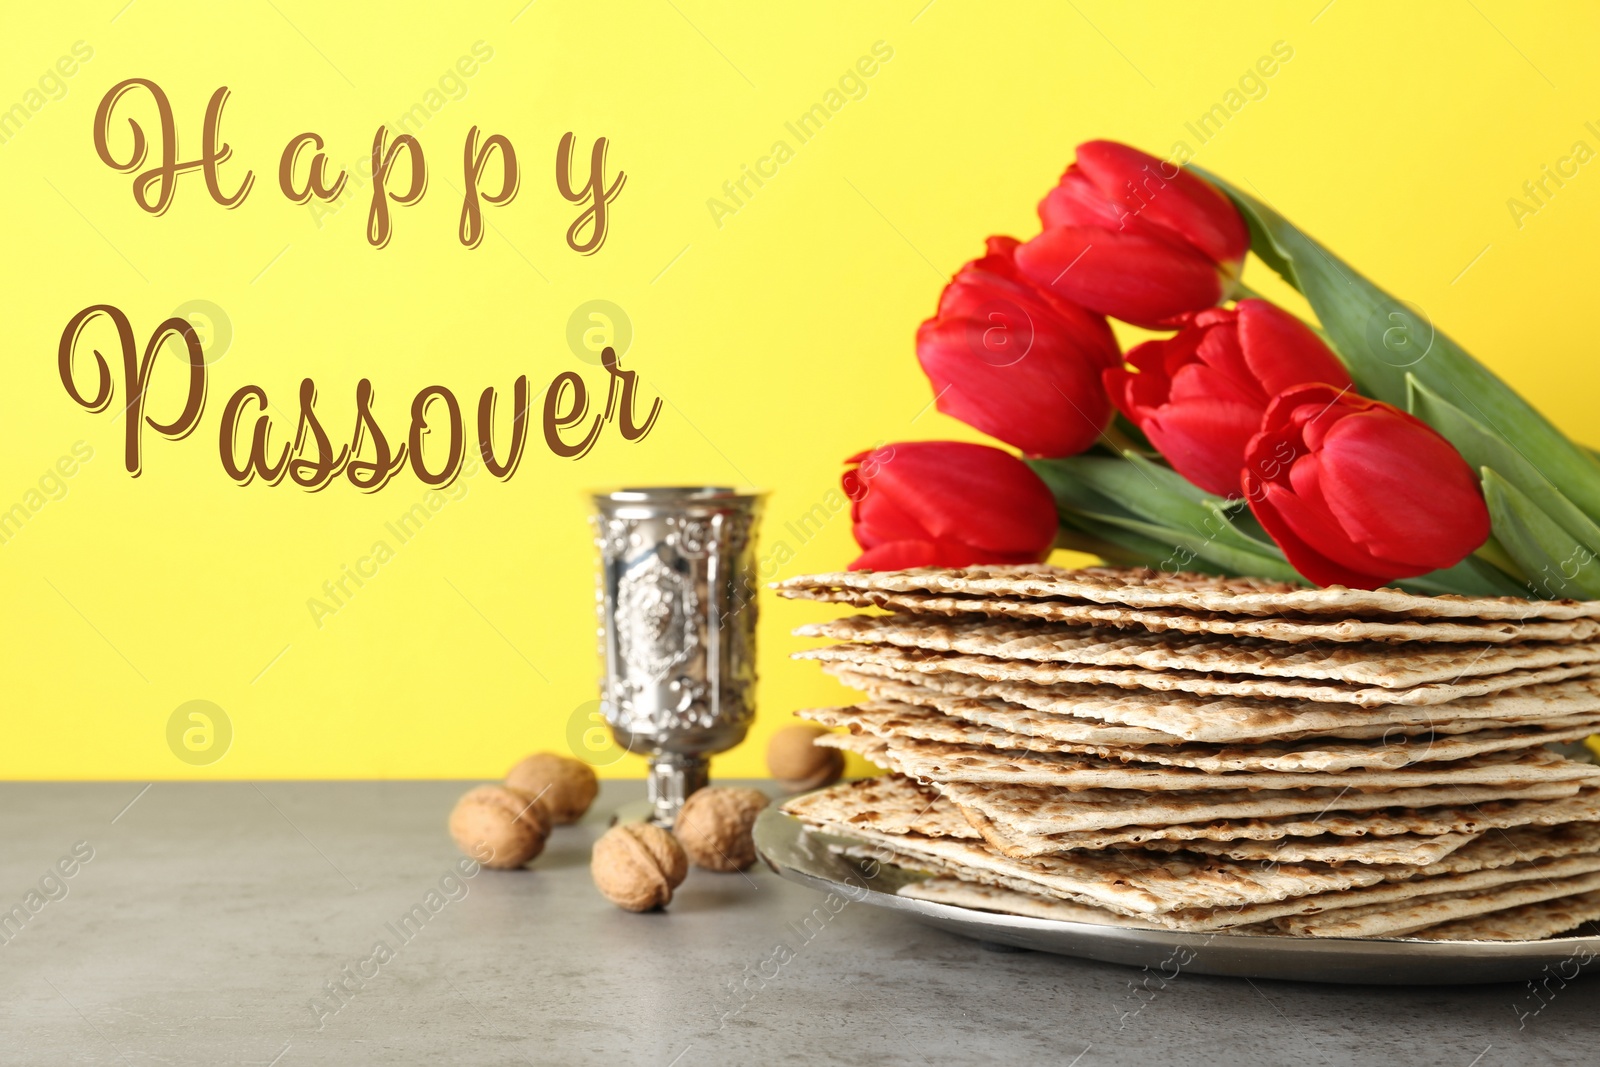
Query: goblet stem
{"points": [[672, 778]]}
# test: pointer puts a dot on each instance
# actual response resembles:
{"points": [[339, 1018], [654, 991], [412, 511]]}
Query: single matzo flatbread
{"points": [[889, 719], [1142, 587], [943, 764], [1357, 664], [1401, 849], [1167, 621], [963, 894], [1527, 922], [889, 804], [861, 657], [1392, 915], [1042, 810], [1065, 710], [1130, 883], [1466, 818]]}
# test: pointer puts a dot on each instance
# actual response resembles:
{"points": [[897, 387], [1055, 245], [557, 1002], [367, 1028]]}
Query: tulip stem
{"points": [[1241, 291]]}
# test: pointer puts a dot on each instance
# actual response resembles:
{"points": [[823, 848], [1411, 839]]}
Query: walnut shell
{"points": [[565, 785], [714, 826], [509, 825], [798, 764], [637, 865]]}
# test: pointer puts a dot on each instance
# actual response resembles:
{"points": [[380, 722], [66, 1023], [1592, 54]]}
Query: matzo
{"points": [[1470, 819], [890, 804], [942, 889], [1142, 587], [888, 719], [1163, 621], [1354, 911], [1386, 911], [1133, 883], [1041, 810], [1507, 848], [1527, 922], [1413, 849], [1358, 664], [1060, 710], [942, 763], [1204, 684]]}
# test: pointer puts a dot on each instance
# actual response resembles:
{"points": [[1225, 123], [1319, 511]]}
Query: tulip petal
{"points": [[1075, 201], [1205, 381], [1282, 351], [1317, 523], [1273, 507], [1163, 194], [957, 494], [1016, 362], [1220, 349], [1133, 394], [1133, 278], [1205, 440], [897, 555], [879, 520], [1402, 490]]}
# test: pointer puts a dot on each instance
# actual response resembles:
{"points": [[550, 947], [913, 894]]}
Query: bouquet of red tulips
{"points": [[1362, 449]]}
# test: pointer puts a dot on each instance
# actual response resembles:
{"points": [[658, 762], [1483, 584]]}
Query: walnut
{"points": [[508, 825], [714, 826], [565, 785], [637, 865], [798, 764]]}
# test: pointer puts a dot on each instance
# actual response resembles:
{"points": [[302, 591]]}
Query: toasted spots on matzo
{"points": [[1191, 717], [889, 804], [964, 894], [1129, 882], [887, 719], [1041, 810], [997, 670], [1389, 911], [1166, 621], [1526, 922], [943, 763], [1408, 849], [1363, 664], [1465, 819], [1507, 848], [1142, 587]]}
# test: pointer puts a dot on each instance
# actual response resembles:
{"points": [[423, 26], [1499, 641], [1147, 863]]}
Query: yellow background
{"points": [[781, 340]]}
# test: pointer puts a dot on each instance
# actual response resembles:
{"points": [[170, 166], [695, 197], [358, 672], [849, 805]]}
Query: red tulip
{"points": [[1135, 237], [1200, 394], [1359, 493], [947, 504], [1016, 362]]}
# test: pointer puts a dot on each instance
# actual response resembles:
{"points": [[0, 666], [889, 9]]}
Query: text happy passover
{"points": [[250, 444]]}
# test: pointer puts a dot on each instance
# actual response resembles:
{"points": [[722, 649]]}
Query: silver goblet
{"points": [[677, 606]]}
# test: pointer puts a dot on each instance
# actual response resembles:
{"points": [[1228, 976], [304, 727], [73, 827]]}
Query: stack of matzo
{"points": [[1137, 748]]}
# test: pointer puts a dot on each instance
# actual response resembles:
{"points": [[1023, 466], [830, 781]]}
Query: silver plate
{"points": [[803, 856]]}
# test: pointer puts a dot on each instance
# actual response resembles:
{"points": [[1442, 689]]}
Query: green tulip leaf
{"points": [[1149, 508], [1141, 489], [1116, 547], [1482, 447], [1384, 341], [1471, 577], [1117, 544], [1556, 564], [1493, 553], [1134, 512]]}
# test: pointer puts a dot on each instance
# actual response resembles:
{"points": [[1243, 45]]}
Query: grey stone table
{"points": [[238, 923]]}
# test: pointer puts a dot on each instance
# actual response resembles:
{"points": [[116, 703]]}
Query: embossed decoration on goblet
{"points": [[677, 606]]}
